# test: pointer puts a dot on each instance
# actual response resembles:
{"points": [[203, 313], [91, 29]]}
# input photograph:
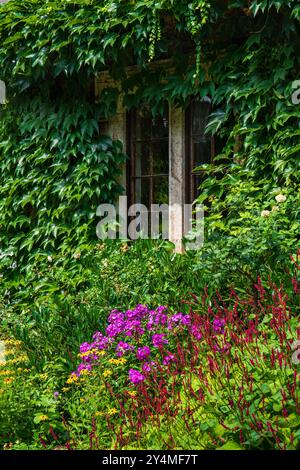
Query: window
{"points": [[148, 172], [200, 147]]}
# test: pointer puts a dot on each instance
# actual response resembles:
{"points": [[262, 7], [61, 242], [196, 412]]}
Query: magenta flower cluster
{"points": [[219, 325], [144, 334]]}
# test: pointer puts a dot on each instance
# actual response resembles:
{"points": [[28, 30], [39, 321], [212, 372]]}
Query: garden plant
{"points": [[128, 345]]}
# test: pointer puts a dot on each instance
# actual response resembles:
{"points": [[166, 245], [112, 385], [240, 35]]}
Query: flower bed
{"points": [[221, 375]]}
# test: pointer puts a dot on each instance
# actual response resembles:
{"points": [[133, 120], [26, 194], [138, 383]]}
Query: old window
{"points": [[200, 147], [148, 172]]}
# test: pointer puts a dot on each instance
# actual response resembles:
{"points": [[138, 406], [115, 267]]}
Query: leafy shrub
{"points": [[58, 307], [27, 398], [248, 233]]}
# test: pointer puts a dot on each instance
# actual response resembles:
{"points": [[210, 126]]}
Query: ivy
{"points": [[56, 165]]}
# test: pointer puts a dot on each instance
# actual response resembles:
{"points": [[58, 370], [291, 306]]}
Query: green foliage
{"points": [[56, 167], [54, 172]]}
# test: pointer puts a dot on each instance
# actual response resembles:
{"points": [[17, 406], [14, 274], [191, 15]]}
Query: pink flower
{"points": [[135, 376]]}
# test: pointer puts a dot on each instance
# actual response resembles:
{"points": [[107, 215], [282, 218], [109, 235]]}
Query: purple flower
{"points": [[114, 329], [135, 376], [84, 347], [148, 366], [176, 318], [159, 340], [102, 343], [82, 367], [196, 332], [138, 313], [123, 347], [143, 353], [218, 325], [56, 395], [168, 359], [186, 320], [133, 326], [115, 315]]}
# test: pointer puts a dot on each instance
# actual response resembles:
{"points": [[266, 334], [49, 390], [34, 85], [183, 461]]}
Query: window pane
{"points": [[142, 164], [142, 129], [160, 190], [160, 125], [200, 146], [160, 154], [200, 112], [202, 152], [142, 191], [150, 153], [148, 127]]}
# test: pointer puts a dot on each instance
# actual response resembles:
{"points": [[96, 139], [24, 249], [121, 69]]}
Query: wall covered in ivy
{"points": [[55, 167]]}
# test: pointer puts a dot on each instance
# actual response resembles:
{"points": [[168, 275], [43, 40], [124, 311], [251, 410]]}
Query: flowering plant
{"points": [[220, 376]]}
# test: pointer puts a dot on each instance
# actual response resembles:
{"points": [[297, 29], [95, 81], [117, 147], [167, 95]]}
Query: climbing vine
{"points": [[56, 165]]}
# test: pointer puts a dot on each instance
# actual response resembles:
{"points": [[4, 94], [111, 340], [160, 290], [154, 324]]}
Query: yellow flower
{"points": [[132, 393], [43, 376], [124, 247], [122, 360], [73, 378], [94, 351], [85, 372], [99, 413], [107, 373], [16, 360], [8, 380], [65, 389], [9, 352], [12, 342], [7, 372], [43, 417], [113, 361], [112, 411], [117, 362]]}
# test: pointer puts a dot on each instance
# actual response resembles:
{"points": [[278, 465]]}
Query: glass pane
{"points": [[149, 127], [160, 125], [160, 190], [142, 125], [200, 111], [151, 153], [142, 164], [202, 152], [142, 191], [160, 154]]}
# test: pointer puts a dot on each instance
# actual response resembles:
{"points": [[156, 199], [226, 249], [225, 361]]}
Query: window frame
{"points": [[131, 142], [191, 188]]}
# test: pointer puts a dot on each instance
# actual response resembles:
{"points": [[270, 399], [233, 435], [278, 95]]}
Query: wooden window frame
{"points": [[131, 176], [190, 186]]}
